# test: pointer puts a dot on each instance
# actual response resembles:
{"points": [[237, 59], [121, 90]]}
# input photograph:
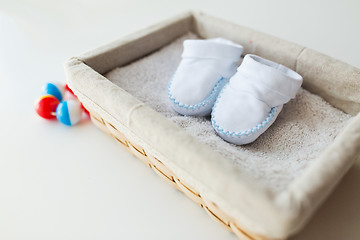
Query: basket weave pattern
{"points": [[160, 169]]}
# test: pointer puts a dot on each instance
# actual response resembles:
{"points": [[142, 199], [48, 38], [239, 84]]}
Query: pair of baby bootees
{"points": [[243, 101]]}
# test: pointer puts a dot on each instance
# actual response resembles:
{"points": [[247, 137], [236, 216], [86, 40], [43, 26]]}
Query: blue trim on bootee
{"points": [[247, 132], [203, 103]]}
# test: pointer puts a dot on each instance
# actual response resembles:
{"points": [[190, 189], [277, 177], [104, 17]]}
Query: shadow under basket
{"points": [[265, 190]]}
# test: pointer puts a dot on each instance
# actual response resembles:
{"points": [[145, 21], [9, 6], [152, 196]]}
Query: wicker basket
{"points": [[143, 132], [169, 177]]}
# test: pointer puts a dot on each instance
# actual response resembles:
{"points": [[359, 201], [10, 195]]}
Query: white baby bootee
{"points": [[205, 68], [252, 99]]}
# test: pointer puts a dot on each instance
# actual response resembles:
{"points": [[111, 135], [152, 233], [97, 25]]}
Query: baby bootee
{"points": [[253, 98], [206, 66]]}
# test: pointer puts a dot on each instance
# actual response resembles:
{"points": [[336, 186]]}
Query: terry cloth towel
{"points": [[252, 99], [205, 68]]}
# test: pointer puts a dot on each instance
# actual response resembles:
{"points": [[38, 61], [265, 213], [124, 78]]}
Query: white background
{"points": [[58, 182]]}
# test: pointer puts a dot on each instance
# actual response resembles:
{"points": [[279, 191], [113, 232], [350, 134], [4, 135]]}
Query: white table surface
{"points": [[58, 182]]}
